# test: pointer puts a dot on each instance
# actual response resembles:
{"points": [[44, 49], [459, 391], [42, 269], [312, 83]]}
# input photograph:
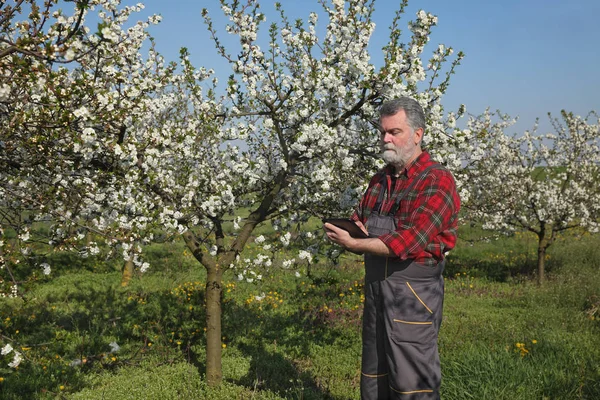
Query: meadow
{"points": [[83, 336]]}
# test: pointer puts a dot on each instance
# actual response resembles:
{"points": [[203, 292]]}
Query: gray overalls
{"points": [[401, 319]]}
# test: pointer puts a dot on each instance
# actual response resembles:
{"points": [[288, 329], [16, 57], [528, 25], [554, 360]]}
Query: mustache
{"points": [[389, 146]]}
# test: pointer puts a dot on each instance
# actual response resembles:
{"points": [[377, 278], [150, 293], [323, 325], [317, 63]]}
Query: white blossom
{"points": [[6, 349], [46, 268], [17, 358], [24, 236], [144, 268], [4, 92], [285, 239], [114, 347], [305, 255]]}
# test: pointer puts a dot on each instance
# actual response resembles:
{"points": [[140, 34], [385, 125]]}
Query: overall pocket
{"points": [[412, 320]]}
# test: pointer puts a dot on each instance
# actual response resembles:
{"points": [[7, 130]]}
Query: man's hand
{"points": [[339, 235], [358, 246]]}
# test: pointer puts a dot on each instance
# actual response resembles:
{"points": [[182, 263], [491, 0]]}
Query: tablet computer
{"points": [[347, 225]]}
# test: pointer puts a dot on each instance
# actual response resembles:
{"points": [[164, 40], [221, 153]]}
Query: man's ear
{"points": [[419, 135]]}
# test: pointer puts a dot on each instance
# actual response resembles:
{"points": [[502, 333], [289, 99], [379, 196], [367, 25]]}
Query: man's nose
{"points": [[386, 137]]}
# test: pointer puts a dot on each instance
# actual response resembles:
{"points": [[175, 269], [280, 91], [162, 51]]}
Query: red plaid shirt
{"points": [[427, 217]]}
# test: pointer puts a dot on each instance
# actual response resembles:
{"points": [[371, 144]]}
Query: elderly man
{"points": [[410, 212]]}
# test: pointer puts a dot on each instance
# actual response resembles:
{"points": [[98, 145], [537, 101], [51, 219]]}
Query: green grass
{"points": [[502, 337]]}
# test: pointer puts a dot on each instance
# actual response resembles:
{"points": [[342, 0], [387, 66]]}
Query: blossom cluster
{"points": [[17, 357]]}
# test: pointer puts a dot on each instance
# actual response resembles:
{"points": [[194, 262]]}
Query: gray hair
{"points": [[415, 117]]}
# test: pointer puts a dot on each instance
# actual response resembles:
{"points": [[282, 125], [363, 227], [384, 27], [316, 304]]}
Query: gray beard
{"points": [[394, 158]]}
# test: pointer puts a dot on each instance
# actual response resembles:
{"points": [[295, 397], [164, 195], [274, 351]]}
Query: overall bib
{"points": [[401, 319]]}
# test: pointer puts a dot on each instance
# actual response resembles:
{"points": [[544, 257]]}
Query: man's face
{"points": [[399, 144]]}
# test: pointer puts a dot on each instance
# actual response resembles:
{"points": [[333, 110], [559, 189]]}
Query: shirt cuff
{"points": [[392, 243]]}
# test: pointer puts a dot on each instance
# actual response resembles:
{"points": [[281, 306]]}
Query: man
{"points": [[410, 213]]}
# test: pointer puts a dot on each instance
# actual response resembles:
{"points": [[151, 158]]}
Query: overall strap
{"points": [[380, 197], [417, 179]]}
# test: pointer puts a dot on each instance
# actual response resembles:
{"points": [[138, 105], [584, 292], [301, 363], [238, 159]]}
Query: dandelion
{"points": [[520, 347]]}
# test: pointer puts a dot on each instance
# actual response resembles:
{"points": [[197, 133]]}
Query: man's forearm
{"points": [[371, 246]]}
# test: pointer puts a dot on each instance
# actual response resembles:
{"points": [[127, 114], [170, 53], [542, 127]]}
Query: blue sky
{"points": [[523, 57]]}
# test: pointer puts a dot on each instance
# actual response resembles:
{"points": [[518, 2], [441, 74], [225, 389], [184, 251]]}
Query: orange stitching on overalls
{"points": [[418, 298], [413, 391], [414, 322], [374, 376]]}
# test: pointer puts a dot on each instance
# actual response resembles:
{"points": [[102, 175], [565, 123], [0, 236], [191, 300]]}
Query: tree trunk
{"points": [[542, 246], [127, 272], [214, 289], [540, 265], [214, 272]]}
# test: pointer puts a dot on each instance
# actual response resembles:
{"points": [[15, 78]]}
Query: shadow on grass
{"points": [[67, 331], [279, 347], [495, 268], [78, 318]]}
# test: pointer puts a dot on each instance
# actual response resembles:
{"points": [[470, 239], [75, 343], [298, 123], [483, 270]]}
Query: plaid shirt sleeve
{"points": [[430, 226]]}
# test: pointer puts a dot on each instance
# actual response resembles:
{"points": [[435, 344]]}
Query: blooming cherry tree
{"points": [[299, 138], [119, 143], [545, 184], [68, 95]]}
